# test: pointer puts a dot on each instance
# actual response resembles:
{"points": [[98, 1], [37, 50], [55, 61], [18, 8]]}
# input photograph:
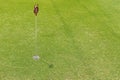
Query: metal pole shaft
{"points": [[36, 47]]}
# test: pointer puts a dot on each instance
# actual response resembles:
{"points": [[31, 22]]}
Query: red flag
{"points": [[36, 9]]}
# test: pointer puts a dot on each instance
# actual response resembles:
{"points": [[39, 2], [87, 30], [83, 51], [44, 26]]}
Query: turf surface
{"points": [[79, 39]]}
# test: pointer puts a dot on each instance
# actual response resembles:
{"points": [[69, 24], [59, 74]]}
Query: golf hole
{"points": [[51, 66]]}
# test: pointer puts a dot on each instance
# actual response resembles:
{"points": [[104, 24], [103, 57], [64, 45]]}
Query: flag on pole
{"points": [[36, 9]]}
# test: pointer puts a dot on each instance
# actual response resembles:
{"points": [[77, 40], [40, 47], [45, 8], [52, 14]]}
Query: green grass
{"points": [[81, 38]]}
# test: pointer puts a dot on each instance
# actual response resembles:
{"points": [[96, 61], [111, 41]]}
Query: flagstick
{"points": [[36, 46]]}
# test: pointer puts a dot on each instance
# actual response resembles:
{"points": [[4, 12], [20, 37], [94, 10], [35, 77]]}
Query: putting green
{"points": [[77, 40]]}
